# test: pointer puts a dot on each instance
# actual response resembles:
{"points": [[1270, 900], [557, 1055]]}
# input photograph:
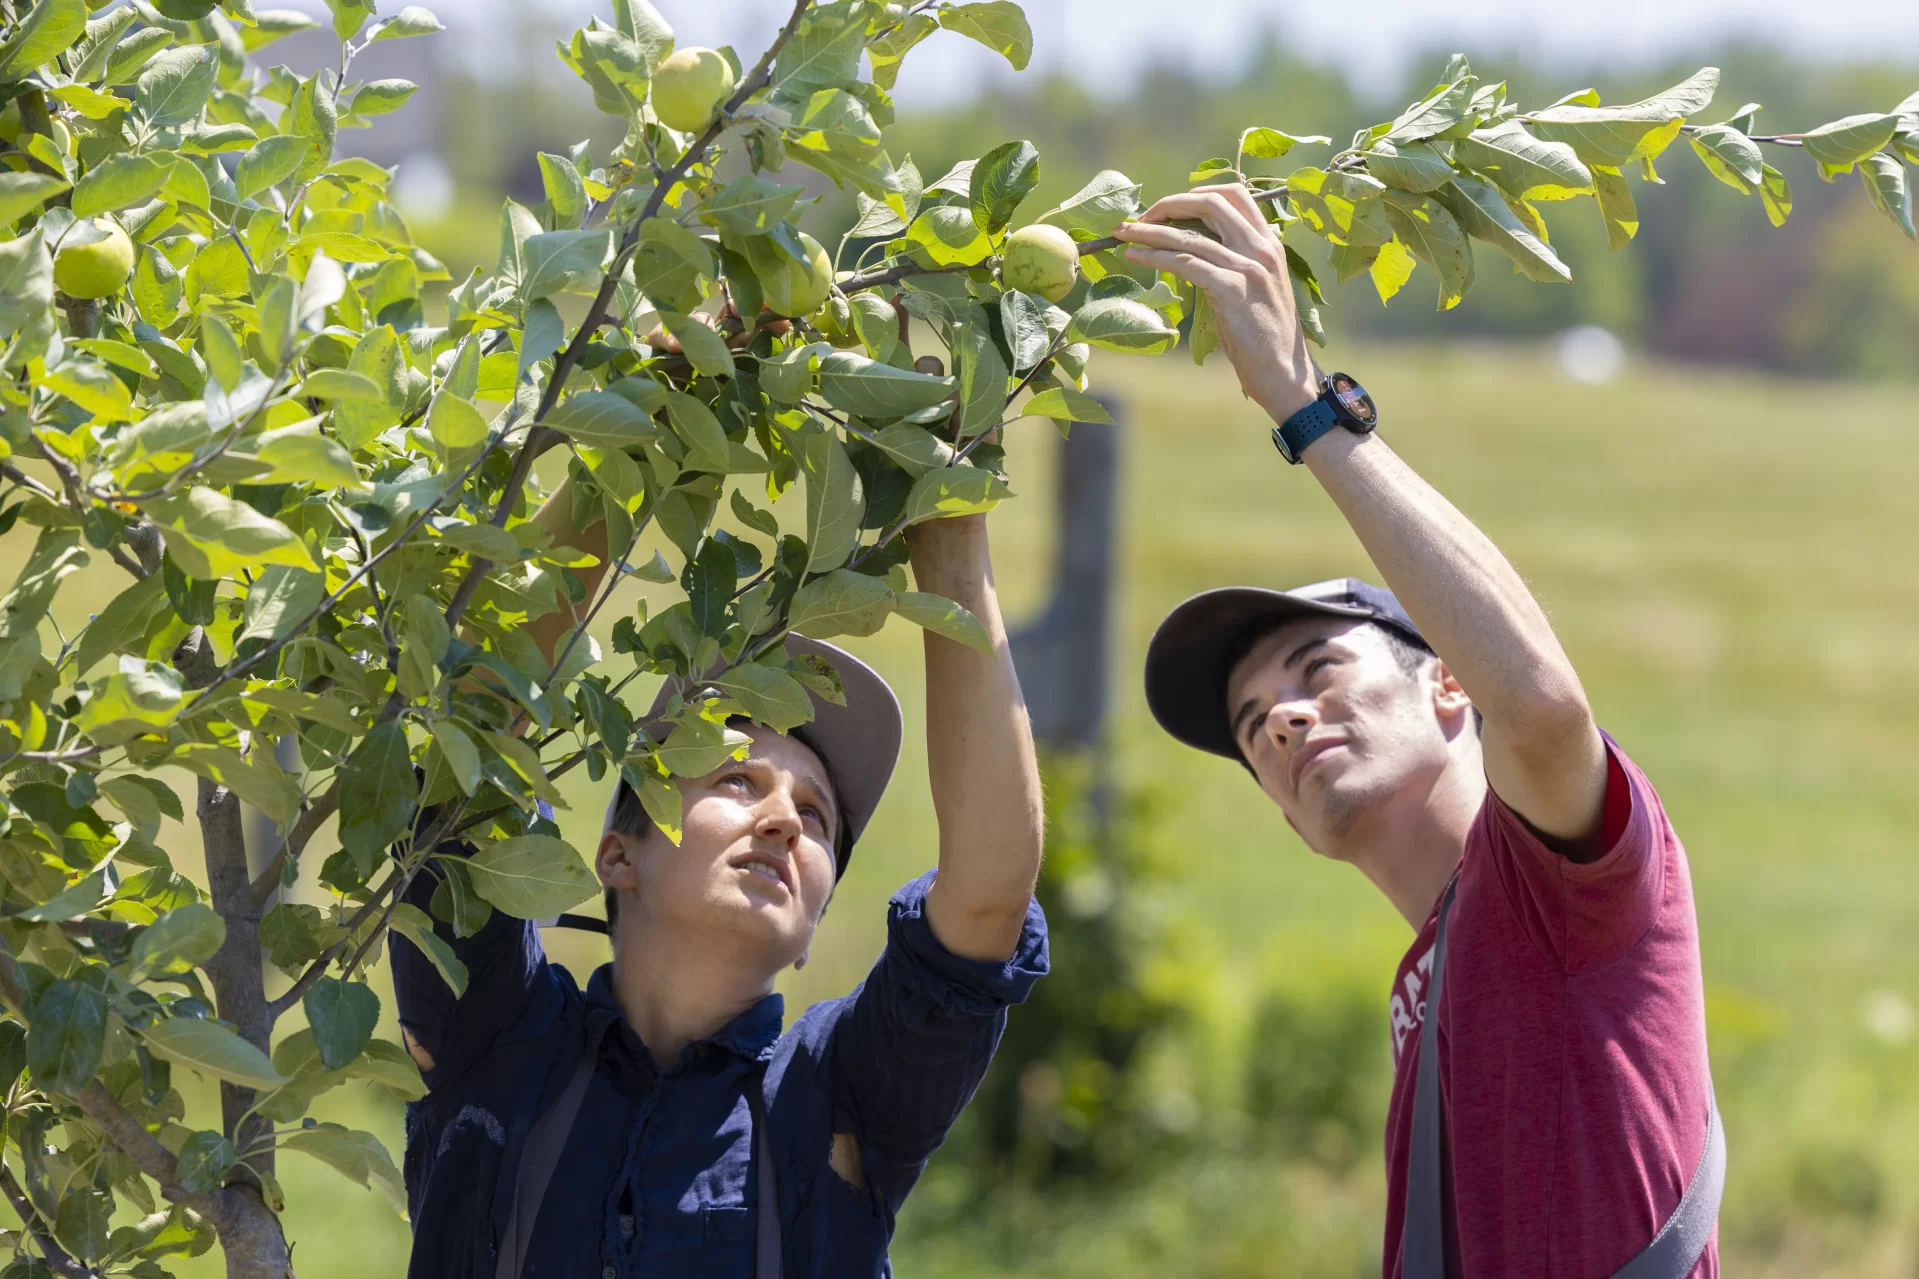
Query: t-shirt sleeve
{"points": [[1584, 913], [506, 970], [917, 1036]]}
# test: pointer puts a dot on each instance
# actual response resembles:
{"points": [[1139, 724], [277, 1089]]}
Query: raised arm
{"points": [[1544, 756], [979, 751]]}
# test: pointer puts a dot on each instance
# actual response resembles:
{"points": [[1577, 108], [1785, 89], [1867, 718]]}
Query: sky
{"points": [[1121, 36]]}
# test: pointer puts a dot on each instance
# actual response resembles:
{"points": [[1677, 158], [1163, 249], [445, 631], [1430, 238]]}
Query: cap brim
{"points": [[859, 742], [1186, 660]]}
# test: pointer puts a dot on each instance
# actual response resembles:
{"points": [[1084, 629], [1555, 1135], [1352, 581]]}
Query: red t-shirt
{"points": [[1572, 1048]]}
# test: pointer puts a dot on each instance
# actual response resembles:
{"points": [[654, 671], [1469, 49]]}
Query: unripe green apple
{"points": [[1040, 259], [835, 323], [689, 87], [791, 288], [95, 270]]}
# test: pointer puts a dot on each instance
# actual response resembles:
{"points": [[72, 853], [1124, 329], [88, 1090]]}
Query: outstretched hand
{"points": [[1245, 277]]}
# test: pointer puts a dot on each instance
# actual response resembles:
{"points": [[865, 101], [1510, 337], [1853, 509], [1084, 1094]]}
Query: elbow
{"points": [[1549, 719]]}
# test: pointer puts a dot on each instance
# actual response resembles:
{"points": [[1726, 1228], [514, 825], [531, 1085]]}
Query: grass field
{"points": [[1729, 559]]}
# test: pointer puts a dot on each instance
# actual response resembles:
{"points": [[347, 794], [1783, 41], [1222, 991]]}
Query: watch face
{"points": [[1353, 399]]}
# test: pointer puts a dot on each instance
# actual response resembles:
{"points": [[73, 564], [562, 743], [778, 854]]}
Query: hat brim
{"points": [[1186, 660], [859, 742]]}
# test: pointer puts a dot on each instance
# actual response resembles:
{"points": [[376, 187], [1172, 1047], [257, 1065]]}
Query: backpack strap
{"points": [[1673, 1252]]}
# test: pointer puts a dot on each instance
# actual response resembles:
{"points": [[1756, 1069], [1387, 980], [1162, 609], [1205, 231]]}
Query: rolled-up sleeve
{"points": [[918, 1035]]}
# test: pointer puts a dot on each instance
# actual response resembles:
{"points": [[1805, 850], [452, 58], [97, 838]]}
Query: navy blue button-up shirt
{"points": [[654, 1179]]}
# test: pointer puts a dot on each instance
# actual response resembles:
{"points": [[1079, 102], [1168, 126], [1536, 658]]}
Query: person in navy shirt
{"points": [[660, 1122]]}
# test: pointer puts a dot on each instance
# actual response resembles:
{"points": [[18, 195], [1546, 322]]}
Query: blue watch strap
{"points": [[1293, 435]]}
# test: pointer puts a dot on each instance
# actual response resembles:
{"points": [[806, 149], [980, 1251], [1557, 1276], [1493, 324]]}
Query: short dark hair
{"points": [[1409, 653], [630, 816]]}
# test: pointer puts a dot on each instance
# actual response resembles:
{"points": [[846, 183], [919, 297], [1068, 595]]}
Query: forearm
{"points": [[979, 746], [1459, 589]]}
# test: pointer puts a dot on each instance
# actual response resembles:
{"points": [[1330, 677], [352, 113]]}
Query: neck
{"points": [[1413, 851], [676, 990]]}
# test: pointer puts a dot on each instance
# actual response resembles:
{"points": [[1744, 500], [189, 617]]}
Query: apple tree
{"points": [[315, 490]]}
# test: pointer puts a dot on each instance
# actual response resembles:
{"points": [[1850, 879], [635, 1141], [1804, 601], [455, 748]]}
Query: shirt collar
{"points": [[751, 1034]]}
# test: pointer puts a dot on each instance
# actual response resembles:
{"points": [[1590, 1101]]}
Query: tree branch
{"points": [[541, 438], [295, 843], [317, 969], [52, 1253], [80, 506]]}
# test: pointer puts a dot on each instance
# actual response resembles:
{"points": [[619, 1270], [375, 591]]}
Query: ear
{"points": [[801, 961], [615, 860], [1449, 699]]}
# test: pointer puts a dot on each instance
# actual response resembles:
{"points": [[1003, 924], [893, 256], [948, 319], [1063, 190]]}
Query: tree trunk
{"points": [[250, 1233]]}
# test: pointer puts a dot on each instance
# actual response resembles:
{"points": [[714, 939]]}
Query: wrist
{"points": [[1290, 398]]}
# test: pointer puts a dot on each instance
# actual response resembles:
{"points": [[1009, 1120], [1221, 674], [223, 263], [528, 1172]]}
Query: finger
{"points": [[1188, 267], [1178, 240], [1236, 221]]}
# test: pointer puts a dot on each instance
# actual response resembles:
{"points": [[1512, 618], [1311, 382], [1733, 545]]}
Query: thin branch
{"points": [[28, 482], [317, 969], [77, 502], [541, 438], [295, 843], [52, 1253]]}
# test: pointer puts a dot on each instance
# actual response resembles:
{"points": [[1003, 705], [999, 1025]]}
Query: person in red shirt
{"points": [[1436, 737]]}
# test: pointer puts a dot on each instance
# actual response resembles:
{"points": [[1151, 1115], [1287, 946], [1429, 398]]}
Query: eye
{"points": [[738, 781], [1317, 664]]}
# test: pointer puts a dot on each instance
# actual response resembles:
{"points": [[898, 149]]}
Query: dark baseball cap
{"points": [[859, 742], [1190, 656]]}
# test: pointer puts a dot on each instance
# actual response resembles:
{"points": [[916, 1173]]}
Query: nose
{"points": [[779, 817], [1288, 723]]}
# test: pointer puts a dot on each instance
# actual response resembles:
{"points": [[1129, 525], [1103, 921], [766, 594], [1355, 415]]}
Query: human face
{"points": [[755, 859], [1338, 733]]}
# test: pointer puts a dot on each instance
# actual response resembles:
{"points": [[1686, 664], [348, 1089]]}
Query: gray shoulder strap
{"points": [[1673, 1252], [767, 1261], [537, 1163]]}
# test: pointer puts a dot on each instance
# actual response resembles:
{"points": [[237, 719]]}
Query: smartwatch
{"points": [[1342, 402]]}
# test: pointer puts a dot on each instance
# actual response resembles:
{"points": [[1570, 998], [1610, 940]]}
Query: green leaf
{"points": [[559, 260], [413, 924], [42, 34], [750, 205], [1064, 404], [602, 419], [1099, 206], [410, 21], [1123, 325], [887, 52], [378, 97], [455, 423], [1409, 166], [1776, 193], [947, 235], [70, 903], [771, 696], [92, 387], [180, 940], [953, 490], [565, 190], [835, 502], [825, 52], [141, 697], [1616, 205], [531, 876], [1523, 166], [279, 599], [1843, 143], [213, 537], [299, 454], [56, 553], [82, 1221], [67, 1036], [944, 617], [1885, 179], [705, 439], [1483, 212], [702, 344], [211, 1049], [349, 16], [357, 1156], [268, 162], [342, 1015], [841, 603], [1730, 156], [342, 384], [1617, 136], [461, 755], [272, 792], [1424, 225], [22, 193], [205, 1159], [176, 84], [878, 392], [1434, 114], [1270, 144], [982, 379], [1003, 177], [378, 795], [119, 182], [1000, 25]]}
